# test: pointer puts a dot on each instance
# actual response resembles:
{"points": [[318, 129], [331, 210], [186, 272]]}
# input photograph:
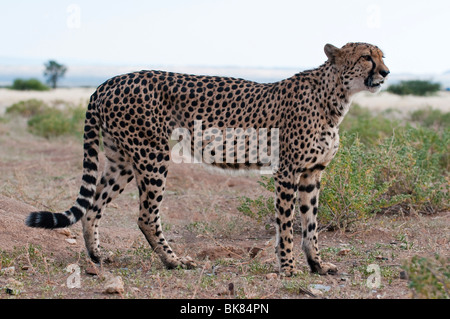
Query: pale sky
{"points": [[245, 33]]}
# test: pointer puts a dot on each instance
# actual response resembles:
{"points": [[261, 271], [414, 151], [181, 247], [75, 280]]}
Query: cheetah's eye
{"points": [[367, 57]]}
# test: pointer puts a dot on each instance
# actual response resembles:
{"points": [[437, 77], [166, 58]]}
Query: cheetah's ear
{"points": [[332, 52]]}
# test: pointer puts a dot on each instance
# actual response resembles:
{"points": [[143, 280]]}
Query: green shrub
{"points": [[407, 171], [50, 121], [414, 87], [433, 118], [53, 122], [368, 128], [27, 108], [262, 208], [418, 166], [29, 84], [429, 278], [403, 169], [352, 189]]}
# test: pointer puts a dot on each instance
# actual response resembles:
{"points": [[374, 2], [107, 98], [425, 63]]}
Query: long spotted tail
{"points": [[89, 181]]}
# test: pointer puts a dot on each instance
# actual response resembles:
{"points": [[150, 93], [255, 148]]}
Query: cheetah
{"points": [[136, 114]]}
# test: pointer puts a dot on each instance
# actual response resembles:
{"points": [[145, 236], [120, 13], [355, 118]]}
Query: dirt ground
{"points": [[235, 254]]}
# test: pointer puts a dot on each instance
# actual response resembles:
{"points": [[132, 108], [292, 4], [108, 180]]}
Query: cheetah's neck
{"points": [[327, 86]]}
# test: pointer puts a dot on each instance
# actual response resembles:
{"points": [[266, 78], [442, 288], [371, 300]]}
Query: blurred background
{"points": [[259, 40]]}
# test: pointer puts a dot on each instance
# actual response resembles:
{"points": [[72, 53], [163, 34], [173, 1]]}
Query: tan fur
{"points": [[137, 113]]}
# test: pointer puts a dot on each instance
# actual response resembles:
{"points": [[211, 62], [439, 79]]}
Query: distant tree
{"points": [[53, 72]]}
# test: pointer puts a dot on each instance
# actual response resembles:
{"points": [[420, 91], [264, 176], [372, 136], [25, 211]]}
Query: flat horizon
{"points": [[91, 75]]}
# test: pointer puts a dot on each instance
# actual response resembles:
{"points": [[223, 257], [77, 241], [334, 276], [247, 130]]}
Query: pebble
{"points": [[319, 287], [227, 292], [64, 231], [109, 258], [253, 252], [135, 290], [114, 285], [92, 270], [316, 292], [71, 241], [13, 287], [271, 276], [343, 252], [403, 275], [304, 291]]}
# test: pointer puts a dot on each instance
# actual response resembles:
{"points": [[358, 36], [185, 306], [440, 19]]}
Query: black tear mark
{"points": [[368, 81]]}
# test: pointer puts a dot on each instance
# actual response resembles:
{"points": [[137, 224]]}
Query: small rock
{"points": [[227, 292], [316, 292], [64, 231], [8, 271], [114, 285], [71, 241], [135, 290], [403, 275], [230, 183], [304, 291], [344, 276], [271, 276], [254, 251], [109, 258], [13, 287], [343, 252], [92, 270], [231, 288], [319, 287]]}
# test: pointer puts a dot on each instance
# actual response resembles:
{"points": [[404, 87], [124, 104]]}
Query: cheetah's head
{"points": [[360, 65]]}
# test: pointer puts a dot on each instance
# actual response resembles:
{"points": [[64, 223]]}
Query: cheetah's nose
{"points": [[384, 73]]}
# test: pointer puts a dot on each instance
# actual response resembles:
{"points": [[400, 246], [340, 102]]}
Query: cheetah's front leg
{"points": [[285, 206], [309, 188]]}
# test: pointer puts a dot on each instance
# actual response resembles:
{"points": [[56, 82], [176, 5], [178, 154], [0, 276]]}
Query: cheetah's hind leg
{"points": [[116, 175], [151, 181]]}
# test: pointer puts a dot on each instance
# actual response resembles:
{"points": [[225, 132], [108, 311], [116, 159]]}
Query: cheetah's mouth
{"points": [[370, 83]]}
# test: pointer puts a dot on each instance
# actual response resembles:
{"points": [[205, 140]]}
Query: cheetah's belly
{"points": [[326, 148]]}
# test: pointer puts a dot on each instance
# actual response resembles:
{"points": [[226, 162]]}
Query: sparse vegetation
{"points": [[27, 108], [53, 122], [382, 165], [262, 208], [50, 121], [414, 87], [28, 85], [369, 128], [431, 118], [429, 278], [352, 190]]}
